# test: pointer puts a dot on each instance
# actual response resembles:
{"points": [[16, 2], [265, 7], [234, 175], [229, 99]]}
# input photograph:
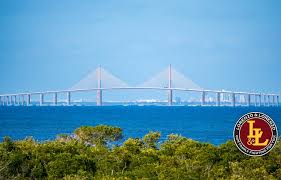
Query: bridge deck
{"points": [[259, 98]]}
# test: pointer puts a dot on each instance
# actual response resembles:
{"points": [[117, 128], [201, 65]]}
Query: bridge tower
{"points": [[99, 91], [170, 93]]}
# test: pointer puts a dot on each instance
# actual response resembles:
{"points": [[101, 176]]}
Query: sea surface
{"points": [[205, 124]]}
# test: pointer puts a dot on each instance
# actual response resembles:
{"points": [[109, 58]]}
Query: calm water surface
{"points": [[207, 124]]}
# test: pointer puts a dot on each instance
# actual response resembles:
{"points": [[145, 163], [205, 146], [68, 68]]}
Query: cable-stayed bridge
{"points": [[169, 80]]}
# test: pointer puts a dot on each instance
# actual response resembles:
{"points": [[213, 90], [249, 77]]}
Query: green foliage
{"points": [[176, 158], [98, 135], [8, 144], [150, 140]]}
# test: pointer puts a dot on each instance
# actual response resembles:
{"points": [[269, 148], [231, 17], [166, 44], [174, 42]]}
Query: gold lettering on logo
{"points": [[254, 135]]}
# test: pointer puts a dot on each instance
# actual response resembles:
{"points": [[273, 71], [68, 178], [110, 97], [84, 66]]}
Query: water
{"points": [[205, 124]]}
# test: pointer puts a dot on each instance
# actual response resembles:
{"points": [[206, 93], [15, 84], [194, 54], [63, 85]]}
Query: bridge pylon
{"points": [[99, 91], [170, 93]]}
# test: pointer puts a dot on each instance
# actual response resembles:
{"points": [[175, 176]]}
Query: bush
{"points": [[86, 155]]}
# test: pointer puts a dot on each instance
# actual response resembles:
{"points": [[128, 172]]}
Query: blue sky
{"points": [[232, 45]]}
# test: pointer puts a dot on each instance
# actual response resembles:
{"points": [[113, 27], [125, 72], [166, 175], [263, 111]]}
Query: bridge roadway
{"points": [[260, 99]]}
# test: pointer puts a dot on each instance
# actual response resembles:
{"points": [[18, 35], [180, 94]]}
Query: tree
{"points": [[98, 135], [8, 144], [72, 157], [150, 140]]}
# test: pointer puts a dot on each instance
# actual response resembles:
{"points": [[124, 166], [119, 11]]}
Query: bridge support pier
{"points": [[218, 102], [41, 99], [268, 100], [68, 101], [15, 100], [256, 100], [233, 100], [170, 92], [8, 100], [18, 100], [260, 100], [99, 91], [278, 100], [248, 99], [23, 100], [203, 98], [11, 100], [55, 99], [170, 97], [28, 100], [99, 97]]}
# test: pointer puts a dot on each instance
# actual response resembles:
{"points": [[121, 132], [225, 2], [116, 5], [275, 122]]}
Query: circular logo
{"points": [[255, 134]]}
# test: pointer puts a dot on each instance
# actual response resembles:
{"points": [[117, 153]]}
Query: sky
{"points": [[51, 45]]}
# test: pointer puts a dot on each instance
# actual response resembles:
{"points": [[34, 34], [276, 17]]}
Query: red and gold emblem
{"points": [[255, 134]]}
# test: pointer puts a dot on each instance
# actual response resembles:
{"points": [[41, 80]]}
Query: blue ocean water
{"points": [[205, 124]]}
